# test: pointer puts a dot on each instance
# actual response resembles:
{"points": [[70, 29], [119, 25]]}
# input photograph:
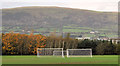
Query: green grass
{"points": [[89, 35], [97, 59], [72, 27], [75, 30]]}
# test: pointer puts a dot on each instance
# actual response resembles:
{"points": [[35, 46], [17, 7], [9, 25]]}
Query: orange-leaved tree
{"points": [[15, 43]]}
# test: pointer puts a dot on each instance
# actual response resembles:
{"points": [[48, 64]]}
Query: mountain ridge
{"points": [[55, 17]]}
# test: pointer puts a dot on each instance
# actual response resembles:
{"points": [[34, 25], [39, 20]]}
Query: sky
{"points": [[97, 5]]}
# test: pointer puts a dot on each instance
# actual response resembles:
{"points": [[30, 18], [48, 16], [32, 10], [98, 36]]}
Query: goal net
{"points": [[50, 52], [79, 52], [58, 53]]}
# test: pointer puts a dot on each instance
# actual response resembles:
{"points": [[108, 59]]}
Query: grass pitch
{"points": [[97, 59]]}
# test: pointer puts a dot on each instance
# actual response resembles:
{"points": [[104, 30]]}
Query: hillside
{"points": [[53, 18]]}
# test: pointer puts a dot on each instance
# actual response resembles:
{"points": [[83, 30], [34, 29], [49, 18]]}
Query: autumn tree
{"points": [[15, 43]]}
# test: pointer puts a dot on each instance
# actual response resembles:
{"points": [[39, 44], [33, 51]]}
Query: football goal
{"points": [[79, 52], [50, 52]]}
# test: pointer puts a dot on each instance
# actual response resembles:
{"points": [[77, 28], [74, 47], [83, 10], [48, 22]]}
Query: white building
{"points": [[82, 38], [115, 41]]}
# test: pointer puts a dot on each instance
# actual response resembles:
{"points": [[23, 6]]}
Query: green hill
{"points": [[56, 18]]}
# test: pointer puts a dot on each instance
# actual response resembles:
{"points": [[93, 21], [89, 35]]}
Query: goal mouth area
{"points": [[49, 48], [79, 49], [50, 56], [79, 56]]}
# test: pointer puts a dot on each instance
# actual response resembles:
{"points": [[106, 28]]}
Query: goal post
{"points": [[79, 52], [50, 52]]}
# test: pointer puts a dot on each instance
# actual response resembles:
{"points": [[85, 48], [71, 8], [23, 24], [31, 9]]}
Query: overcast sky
{"points": [[98, 5]]}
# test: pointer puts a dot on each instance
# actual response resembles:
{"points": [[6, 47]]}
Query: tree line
{"points": [[23, 44], [99, 47]]}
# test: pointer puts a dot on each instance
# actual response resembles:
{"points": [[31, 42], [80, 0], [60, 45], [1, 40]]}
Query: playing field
{"points": [[97, 59]]}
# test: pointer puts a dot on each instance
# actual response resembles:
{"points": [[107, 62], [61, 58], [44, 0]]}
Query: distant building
{"points": [[79, 38], [115, 40], [82, 38], [103, 38], [92, 32], [87, 38]]}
